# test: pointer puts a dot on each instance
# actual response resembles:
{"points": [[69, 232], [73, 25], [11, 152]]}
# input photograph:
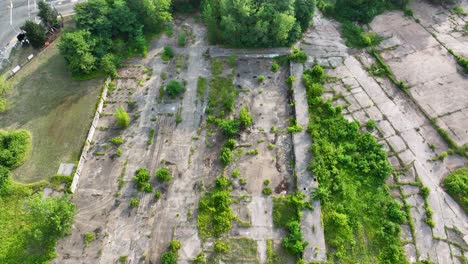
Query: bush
{"points": [[267, 191], [142, 177], [175, 245], [221, 247], [134, 202], [157, 194], [245, 118], [371, 125], [200, 258], [294, 242], [298, 55], [89, 237], [163, 175], [230, 127], [357, 38], [15, 147], [274, 67], [174, 89], [226, 156], [108, 65], [182, 39], [261, 78], [123, 120], [117, 141], [425, 192], [456, 184], [169, 258], [168, 53]]}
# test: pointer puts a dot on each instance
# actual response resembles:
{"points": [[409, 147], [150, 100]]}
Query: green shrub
{"points": [[274, 67], [215, 215], [294, 242], [371, 125], [134, 202], [200, 258], [357, 38], [141, 178], [297, 55], [266, 182], [117, 141], [261, 78], [150, 137], [458, 10], [221, 247], [108, 65], [226, 156], [157, 194], [123, 259], [174, 89], [235, 173], [169, 258], [252, 152], [175, 245], [230, 127], [123, 120], [408, 12], [295, 128], [89, 237], [425, 192], [267, 191], [168, 53], [230, 144], [163, 175], [245, 118], [182, 39], [15, 147], [456, 184]]}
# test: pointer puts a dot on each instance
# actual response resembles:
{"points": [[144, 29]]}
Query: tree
{"points": [[108, 65], [35, 33], [47, 14], [51, 219], [76, 47], [93, 16], [15, 147], [257, 23], [153, 13], [123, 120]]}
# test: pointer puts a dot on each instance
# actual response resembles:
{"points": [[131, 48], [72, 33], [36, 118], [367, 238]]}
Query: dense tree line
{"points": [[108, 31], [257, 23]]}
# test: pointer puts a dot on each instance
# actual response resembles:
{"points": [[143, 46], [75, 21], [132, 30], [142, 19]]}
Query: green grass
{"points": [[456, 185], [242, 250], [56, 109]]}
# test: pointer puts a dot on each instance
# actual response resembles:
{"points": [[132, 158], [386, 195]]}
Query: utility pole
{"points": [[11, 12]]}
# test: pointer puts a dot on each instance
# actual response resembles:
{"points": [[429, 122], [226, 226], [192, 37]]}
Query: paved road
{"points": [[11, 20]]}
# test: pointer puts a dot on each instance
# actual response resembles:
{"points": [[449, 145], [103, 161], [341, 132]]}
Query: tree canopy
{"points": [[111, 27], [47, 14], [260, 23], [35, 33]]}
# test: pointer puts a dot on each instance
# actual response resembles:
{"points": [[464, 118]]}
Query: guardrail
{"points": [[89, 138]]}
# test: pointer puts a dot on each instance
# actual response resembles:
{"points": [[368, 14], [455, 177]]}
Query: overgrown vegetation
{"points": [[163, 175], [462, 61], [287, 212], [360, 11], [456, 184], [174, 88], [257, 24], [122, 118], [109, 31], [356, 37], [31, 225], [214, 213], [361, 220], [141, 179]]}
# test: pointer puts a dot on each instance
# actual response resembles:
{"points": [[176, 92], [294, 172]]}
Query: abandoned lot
{"points": [[120, 221]]}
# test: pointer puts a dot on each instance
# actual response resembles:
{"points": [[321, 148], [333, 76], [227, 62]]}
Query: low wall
{"points": [[89, 138]]}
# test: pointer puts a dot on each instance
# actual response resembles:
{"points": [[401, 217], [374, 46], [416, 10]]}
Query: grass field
{"points": [[56, 109]]}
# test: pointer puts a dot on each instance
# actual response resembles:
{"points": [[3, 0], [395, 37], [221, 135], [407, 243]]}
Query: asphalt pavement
{"points": [[11, 19]]}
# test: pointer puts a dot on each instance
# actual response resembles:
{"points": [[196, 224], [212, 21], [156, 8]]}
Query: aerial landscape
{"points": [[234, 131]]}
